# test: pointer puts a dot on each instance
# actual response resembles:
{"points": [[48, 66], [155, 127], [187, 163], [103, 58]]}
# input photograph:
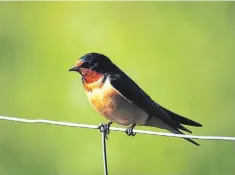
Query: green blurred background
{"points": [[180, 53]]}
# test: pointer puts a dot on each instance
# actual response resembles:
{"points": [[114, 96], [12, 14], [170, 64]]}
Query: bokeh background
{"points": [[181, 53]]}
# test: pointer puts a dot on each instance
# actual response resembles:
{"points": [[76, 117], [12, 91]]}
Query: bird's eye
{"points": [[86, 64]]}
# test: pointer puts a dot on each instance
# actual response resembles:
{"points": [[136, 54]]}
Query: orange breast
{"points": [[102, 96], [107, 100]]}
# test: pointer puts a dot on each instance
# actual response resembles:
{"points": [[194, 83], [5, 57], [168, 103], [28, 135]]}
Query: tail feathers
{"points": [[184, 129], [181, 119], [176, 131], [159, 123]]}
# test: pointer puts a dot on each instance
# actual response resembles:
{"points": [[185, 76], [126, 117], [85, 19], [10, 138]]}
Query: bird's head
{"points": [[92, 66]]}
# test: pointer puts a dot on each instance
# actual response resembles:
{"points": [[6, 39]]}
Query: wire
{"points": [[104, 136], [63, 123], [105, 132]]}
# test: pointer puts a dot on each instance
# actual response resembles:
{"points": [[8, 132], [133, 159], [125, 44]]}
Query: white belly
{"points": [[114, 107], [127, 113]]}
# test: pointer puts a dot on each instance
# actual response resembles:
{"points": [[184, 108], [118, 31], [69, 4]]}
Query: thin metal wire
{"points": [[115, 129], [104, 133]]}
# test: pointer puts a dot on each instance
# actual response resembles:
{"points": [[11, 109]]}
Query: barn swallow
{"points": [[119, 99]]}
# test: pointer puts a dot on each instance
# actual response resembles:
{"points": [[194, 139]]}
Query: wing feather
{"points": [[134, 94]]}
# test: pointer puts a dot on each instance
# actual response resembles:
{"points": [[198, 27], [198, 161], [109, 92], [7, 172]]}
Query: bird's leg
{"points": [[129, 131], [105, 128]]}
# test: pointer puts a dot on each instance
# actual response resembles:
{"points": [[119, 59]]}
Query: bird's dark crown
{"points": [[95, 57], [96, 62]]}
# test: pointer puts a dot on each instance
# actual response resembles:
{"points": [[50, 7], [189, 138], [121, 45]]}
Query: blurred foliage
{"points": [[180, 53]]}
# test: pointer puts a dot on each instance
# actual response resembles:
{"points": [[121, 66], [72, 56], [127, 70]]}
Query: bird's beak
{"points": [[75, 68]]}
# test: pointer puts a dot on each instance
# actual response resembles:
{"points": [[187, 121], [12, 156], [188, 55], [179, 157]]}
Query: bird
{"points": [[120, 100]]}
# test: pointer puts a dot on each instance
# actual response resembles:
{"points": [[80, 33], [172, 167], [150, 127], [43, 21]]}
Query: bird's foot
{"points": [[129, 131], [105, 128]]}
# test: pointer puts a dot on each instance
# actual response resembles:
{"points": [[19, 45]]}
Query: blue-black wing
{"points": [[134, 94]]}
